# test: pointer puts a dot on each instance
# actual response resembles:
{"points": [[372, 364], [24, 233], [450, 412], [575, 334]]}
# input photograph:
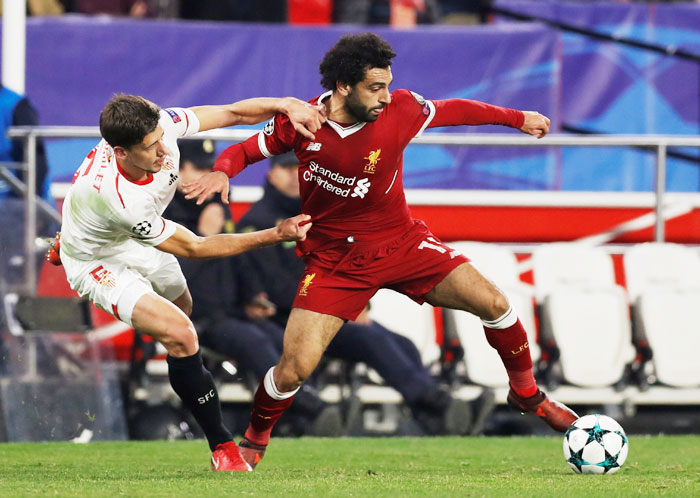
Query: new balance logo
{"points": [[361, 188], [315, 146], [215, 463]]}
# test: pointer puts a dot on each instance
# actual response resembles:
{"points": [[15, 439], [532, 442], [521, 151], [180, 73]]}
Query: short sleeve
{"points": [[416, 113], [179, 122], [277, 137], [145, 225]]}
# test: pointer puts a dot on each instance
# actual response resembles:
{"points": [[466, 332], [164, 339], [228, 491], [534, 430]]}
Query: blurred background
{"points": [[596, 242]]}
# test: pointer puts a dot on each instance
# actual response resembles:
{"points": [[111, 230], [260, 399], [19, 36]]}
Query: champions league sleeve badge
{"points": [[269, 127], [142, 228]]}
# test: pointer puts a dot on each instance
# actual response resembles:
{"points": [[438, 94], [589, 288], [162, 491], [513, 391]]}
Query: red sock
{"points": [[522, 382], [512, 346], [266, 411]]}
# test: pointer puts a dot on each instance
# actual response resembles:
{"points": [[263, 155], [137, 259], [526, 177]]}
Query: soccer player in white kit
{"points": [[118, 250]]}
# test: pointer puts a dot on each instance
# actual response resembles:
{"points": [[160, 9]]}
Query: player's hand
{"points": [[535, 124], [305, 118], [294, 229], [206, 186]]}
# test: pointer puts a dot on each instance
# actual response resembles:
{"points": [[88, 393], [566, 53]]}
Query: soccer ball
{"points": [[595, 444]]}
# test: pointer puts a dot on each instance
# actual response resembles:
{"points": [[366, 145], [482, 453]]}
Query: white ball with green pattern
{"points": [[595, 444]]}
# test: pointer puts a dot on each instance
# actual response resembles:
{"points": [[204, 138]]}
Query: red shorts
{"points": [[412, 264]]}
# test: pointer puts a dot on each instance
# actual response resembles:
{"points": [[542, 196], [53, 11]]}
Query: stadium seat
{"points": [[499, 264], [663, 281], [584, 312], [404, 316]]}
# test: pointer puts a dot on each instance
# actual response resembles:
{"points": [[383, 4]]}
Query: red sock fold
{"points": [[512, 346], [266, 411], [522, 382]]}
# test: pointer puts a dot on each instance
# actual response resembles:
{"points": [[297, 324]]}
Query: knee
{"points": [[181, 338], [498, 307], [291, 373]]}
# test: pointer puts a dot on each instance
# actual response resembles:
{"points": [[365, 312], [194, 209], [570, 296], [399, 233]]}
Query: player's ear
{"points": [[120, 152], [343, 88]]}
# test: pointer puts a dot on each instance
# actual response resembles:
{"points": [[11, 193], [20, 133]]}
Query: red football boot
{"points": [[227, 458], [252, 453], [557, 415], [53, 255]]}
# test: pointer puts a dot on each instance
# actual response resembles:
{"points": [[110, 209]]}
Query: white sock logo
{"points": [[361, 188]]}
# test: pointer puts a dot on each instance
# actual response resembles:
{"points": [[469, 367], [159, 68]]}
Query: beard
{"points": [[358, 110]]}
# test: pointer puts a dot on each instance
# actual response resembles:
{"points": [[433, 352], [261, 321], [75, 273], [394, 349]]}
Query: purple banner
{"points": [[75, 64], [608, 87]]}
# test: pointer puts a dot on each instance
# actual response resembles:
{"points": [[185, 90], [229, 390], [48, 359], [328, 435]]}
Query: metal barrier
{"points": [[659, 143]]}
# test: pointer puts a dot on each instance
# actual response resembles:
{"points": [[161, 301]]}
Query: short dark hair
{"points": [[127, 119], [348, 59]]}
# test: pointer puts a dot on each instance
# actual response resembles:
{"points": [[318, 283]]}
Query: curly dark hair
{"points": [[127, 119], [348, 59]]}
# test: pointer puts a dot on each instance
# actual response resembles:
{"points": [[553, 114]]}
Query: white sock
{"points": [[504, 321], [271, 388]]}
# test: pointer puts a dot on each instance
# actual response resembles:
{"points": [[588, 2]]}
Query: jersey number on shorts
{"points": [[433, 244]]}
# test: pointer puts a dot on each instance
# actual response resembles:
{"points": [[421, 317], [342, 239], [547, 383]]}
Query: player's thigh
{"points": [[306, 337], [163, 271], [161, 319], [184, 302], [464, 288]]}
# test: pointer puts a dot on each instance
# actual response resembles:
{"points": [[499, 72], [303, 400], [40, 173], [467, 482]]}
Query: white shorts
{"points": [[116, 283]]}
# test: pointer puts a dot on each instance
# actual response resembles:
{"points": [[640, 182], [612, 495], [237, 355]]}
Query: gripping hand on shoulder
{"points": [[305, 118]]}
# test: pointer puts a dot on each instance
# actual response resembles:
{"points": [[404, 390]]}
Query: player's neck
{"points": [[337, 111], [131, 172]]}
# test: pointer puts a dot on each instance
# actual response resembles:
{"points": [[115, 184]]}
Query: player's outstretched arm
{"points": [[188, 245], [305, 117], [535, 124]]}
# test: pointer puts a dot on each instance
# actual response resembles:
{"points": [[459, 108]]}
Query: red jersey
{"points": [[351, 176]]}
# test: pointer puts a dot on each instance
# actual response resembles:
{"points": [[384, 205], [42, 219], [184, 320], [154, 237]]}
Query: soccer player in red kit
{"points": [[363, 237]]}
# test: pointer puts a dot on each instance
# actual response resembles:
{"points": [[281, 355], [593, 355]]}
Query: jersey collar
{"points": [[148, 180], [343, 131]]}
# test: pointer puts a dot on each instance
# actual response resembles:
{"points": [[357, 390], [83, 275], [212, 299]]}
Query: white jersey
{"points": [[105, 214]]}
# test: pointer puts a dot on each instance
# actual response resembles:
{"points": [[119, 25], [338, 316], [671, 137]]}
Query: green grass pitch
{"points": [[365, 467]]}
